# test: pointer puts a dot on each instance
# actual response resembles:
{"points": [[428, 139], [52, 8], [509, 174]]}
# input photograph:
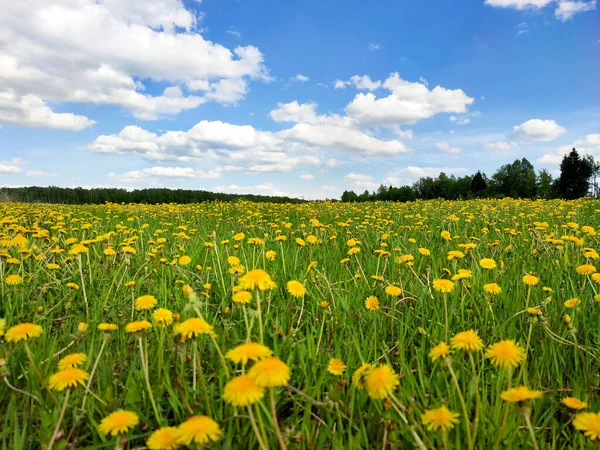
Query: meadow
{"points": [[429, 324]]}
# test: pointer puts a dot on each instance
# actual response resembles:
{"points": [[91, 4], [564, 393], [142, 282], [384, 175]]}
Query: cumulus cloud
{"points": [[40, 174], [361, 181], [518, 4], [373, 46], [445, 147], [567, 9], [588, 145], [107, 53], [159, 174], [261, 189], [11, 166], [306, 177], [537, 130], [501, 145], [408, 102], [301, 78], [31, 111], [362, 82]]}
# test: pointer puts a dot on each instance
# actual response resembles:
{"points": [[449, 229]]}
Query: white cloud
{"points": [[460, 120], [85, 51], [408, 102], [234, 32], [307, 177], [31, 111], [373, 46], [403, 133], [422, 80], [588, 145], [361, 181], [444, 146], [9, 168], [260, 189], [40, 173], [331, 188], [159, 174], [501, 145], [537, 130], [518, 4], [410, 174], [301, 78], [391, 180], [362, 82], [567, 9]]}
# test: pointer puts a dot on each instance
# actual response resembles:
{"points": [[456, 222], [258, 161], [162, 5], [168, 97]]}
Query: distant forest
{"points": [[517, 180], [80, 196]]}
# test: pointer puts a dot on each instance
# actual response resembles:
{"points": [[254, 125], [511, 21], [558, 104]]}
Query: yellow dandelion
{"points": [[336, 366], [242, 391], [145, 302], [242, 297], [107, 327], [68, 378], [257, 279], [72, 360], [586, 269], [574, 403], [381, 381], [520, 394], [23, 332], [270, 372], [572, 302], [492, 288], [13, 280], [442, 350], [488, 263], [530, 280], [443, 285], [358, 377], [163, 317], [372, 303], [249, 351], [506, 354], [393, 291], [589, 423], [198, 429], [164, 438], [442, 417], [467, 340], [194, 327], [140, 325], [296, 289], [118, 422]]}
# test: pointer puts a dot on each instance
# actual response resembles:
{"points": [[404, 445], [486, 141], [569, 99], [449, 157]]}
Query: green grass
{"points": [[330, 413]]}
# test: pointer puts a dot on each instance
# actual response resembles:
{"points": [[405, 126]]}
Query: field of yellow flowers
{"points": [[471, 324]]}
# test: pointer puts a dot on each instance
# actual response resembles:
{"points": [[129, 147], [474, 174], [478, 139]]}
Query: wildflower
{"points": [[107, 327], [372, 303], [242, 297], [300, 242], [381, 381], [242, 391], [164, 438], [488, 263], [134, 327], [424, 251], [67, 378], [442, 350], [163, 317], [596, 277], [145, 302], [2, 326], [198, 429], [52, 266], [336, 366], [441, 417], [358, 377], [589, 423], [184, 260], [81, 327], [586, 269], [270, 372], [445, 235], [506, 354], [467, 340], [72, 360], [73, 286], [248, 351], [492, 288], [194, 327], [393, 291], [270, 255], [574, 403], [443, 285], [118, 422], [239, 237], [296, 289], [519, 394], [572, 302], [23, 332], [257, 279], [13, 280], [324, 304], [455, 254], [530, 280]]}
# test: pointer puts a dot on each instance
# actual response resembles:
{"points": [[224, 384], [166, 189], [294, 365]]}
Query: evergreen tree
{"points": [[575, 173]]}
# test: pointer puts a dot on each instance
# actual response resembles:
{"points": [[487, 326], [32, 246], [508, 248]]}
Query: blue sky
{"points": [[301, 98]]}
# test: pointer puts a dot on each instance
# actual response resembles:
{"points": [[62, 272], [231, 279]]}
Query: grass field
{"points": [[378, 286]]}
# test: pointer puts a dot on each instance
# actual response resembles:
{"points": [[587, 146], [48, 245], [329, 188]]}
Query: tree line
{"points": [[80, 196], [517, 180]]}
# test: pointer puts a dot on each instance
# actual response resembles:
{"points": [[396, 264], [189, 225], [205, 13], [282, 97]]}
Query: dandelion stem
{"points": [[255, 428], [60, 419], [87, 308], [462, 404], [275, 423], [446, 315], [198, 364], [147, 378], [527, 416], [504, 415], [260, 322], [37, 372], [477, 399], [19, 391], [89, 383]]}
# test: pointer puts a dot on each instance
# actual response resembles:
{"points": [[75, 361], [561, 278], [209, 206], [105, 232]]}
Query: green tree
{"points": [[575, 173], [544, 184]]}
